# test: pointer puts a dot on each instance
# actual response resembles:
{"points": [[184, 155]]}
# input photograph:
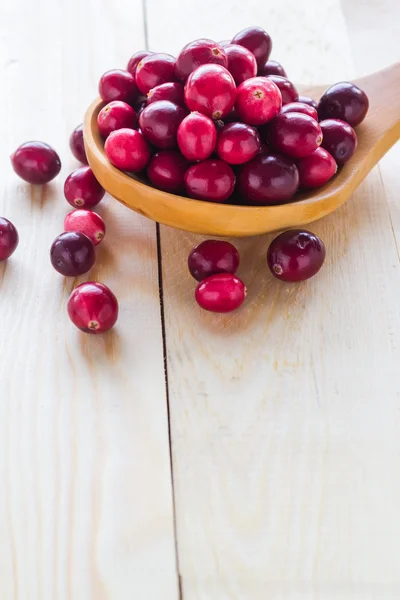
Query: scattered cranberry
{"points": [[221, 293], [159, 123], [287, 89], [238, 143], [339, 139], [8, 238], [116, 115], [171, 91], [211, 90], [300, 107], [72, 254], [268, 179], [81, 188], [135, 60], [77, 145], [211, 180], [257, 41], [92, 307], [199, 52], [258, 101], [316, 168], [87, 222], [166, 171], [272, 67], [344, 101], [197, 136], [127, 150], [294, 134], [154, 70], [36, 162], [308, 100], [241, 63], [118, 85], [295, 255], [211, 257]]}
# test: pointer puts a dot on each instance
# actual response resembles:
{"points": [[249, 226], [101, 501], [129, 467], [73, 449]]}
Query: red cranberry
{"points": [[241, 63], [258, 101], [159, 123], [287, 89], [211, 90], [238, 143], [211, 180], [116, 115], [295, 255], [77, 145], [268, 179], [197, 137], [212, 257], [171, 91], [221, 293], [154, 70], [36, 162], [81, 188], [127, 150], [344, 101], [308, 100], [272, 67], [316, 168], [300, 107], [294, 134], [72, 254], [135, 60], [92, 307], [8, 238], [118, 85], [166, 171], [199, 52], [87, 222], [257, 41], [339, 139]]}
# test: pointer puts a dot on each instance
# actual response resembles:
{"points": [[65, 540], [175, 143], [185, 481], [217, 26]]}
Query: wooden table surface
{"points": [[266, 465]]}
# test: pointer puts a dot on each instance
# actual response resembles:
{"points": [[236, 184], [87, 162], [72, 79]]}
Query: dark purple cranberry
{"points": [[8, 238], [77, 145], [272, 67], [199, 52], [308, 100], [268, 179], [344, 101], [294, 134], [257, 41], [36, 162], [159, 123], [287, 89], [339, 139], [211, 257], [295, 255], [72, 254]]}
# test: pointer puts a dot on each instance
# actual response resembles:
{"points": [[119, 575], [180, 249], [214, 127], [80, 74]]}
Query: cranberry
{"points": [[272, 67], [268, 179], [211, 180], [92, 307], [238, 143], [199, 52], [172, 91], [77, 145], [212, 257], [116, 115], [166, 171], [344, 101], [300, 107], [241, 63], [339, 139], [36, 162], [287, 89], [221, 293], [81, 188], [72, 254], [211, 90], [258, 101], [316, 168], [8, 238], [87, 222], [135, 60], [154, 70], [295, 255], [118, 85], [197, 137], [159, 123], [127, 150], [257, 41], [294, 134], [308, 100]]}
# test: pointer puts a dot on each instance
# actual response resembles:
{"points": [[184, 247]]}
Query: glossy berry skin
{"points": [[268, 179], [77, 145], [221, 293], [171, 91], [36, 162], [295, 255], [166, 171], [116, 115], [300, 107], [197, 137], [118, 85], [135, 60], [127, 150], [257, 41], [159, 123], [294, 134], [211, 180], [87, 222], [344, 101], [339, 139], [308, 100], [272, 67], [8, 238], [154, 70], [92, 307], [258, 101], [211, 257], [286, 87], [72, 254], [211, 90], [199, 52], [241, 63], [81, 188], [316, 169], [238, 143]]}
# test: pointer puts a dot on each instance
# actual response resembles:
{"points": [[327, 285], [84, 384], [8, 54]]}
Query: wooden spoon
{"points": [[376, 135]]}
